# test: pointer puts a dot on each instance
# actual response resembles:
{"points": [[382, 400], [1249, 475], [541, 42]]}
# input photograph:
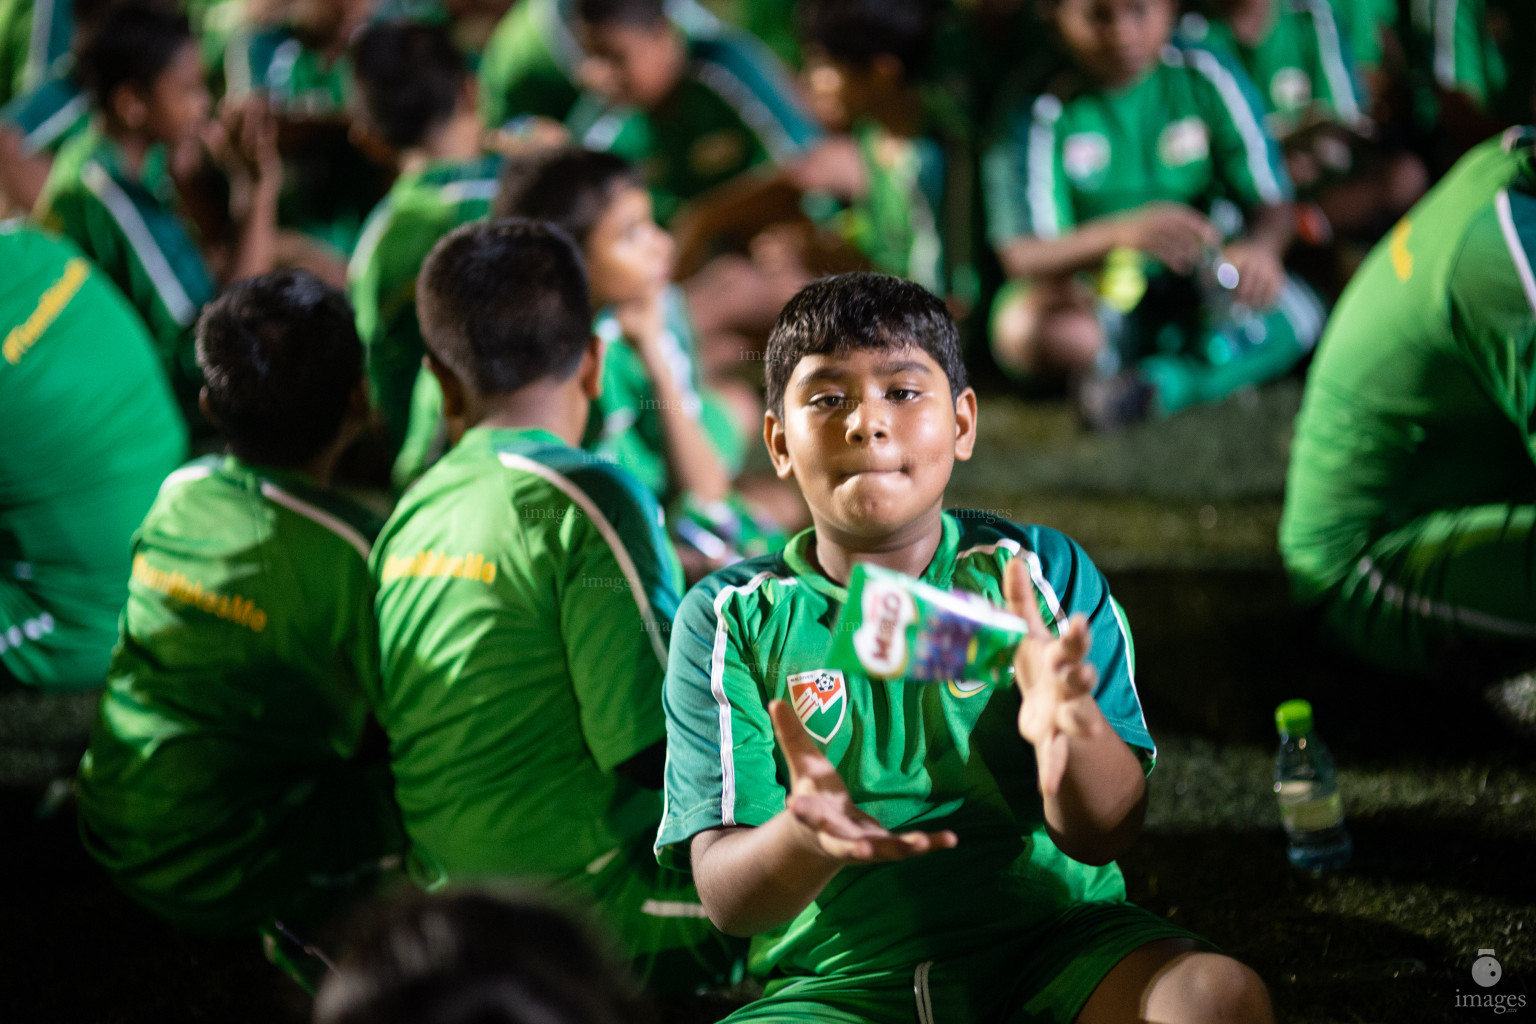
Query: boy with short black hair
{"points": [[221, 788], [415, 96], [111, 189], [1105, 184], [896, 854], [525, 594], [713, 104]]}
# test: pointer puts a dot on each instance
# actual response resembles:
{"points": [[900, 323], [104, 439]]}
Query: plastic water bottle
{"points": [[1310, 807]]}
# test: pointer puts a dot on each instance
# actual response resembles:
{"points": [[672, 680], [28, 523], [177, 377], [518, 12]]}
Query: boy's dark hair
{"points": [[281, 358], [409, 76], [625, 13], [837, 315], [504, 304], [473, 957], [132, 45], [855, 32], [570, 188]]}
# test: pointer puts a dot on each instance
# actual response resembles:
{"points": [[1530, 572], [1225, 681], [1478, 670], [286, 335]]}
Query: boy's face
{"points": [[1115, 40], [178, 104], [871, 438], [630, 65], [837, 92], [629, 257]]}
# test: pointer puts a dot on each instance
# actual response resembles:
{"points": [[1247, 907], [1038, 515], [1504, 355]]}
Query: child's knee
{"points": [[1049, 330], [1210, 987]]}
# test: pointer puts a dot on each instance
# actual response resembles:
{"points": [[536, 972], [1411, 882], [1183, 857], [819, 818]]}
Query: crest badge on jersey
{"points": [[820, 697], [1084, 155], [1184, 142]]}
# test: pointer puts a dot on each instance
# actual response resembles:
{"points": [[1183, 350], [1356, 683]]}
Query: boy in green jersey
{"points": [[896, 855], [711, 105], [1474, 68], [221, 788], [98, 431], [112, 189], [1101, 189], [909, 191], [416, 97], [526, 589], [1409, 504], [656, 417]]}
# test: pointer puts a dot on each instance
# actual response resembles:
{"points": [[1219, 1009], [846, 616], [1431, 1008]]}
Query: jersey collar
{"points": [[797, 556]]}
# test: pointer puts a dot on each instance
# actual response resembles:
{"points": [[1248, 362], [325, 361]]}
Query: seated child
{"points": [[1409, 503], [416, 98], [1315, 105], [299, 68], [655, 417], [481, 955], [221, 788], [910, 193], [112, 189], [906, 861], [712, 104], [100, 431], [525, 594], [1114, 163]]}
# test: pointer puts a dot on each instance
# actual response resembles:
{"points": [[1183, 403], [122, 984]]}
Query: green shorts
{"points": [[1043, 975]]}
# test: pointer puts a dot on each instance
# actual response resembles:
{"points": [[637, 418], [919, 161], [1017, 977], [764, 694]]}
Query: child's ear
{"points": [[590, 372], [778, 446], [448, 381], [965, 425], [205, 409]]}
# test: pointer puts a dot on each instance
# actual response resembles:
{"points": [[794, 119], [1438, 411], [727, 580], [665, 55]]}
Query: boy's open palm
{"points": [[1055, 682], [819, 800]]}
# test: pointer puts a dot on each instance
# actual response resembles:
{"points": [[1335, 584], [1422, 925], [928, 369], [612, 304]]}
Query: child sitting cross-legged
{"points": [[942, 851]]}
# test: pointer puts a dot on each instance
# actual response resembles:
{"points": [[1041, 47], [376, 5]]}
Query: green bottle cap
{"points": [[1294, 718]]}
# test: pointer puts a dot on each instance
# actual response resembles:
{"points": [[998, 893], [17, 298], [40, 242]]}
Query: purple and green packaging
{"points": [[896, 627]]}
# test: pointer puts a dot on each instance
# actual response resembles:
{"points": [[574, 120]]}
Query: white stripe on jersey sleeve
{"points": [[128, 218], [182, 475], [1040, 186], [1516, 247], [1255, 143], [335, 524], [1331, 50], [723, 702], [605, 528]]}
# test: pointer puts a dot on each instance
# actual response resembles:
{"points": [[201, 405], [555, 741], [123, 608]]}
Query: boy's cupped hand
{"points": [[820, 802], [1055, 681]]}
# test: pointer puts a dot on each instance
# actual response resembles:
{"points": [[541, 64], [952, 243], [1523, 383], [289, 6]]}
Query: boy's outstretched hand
{"points": [[1053, 679], [819, 801]]}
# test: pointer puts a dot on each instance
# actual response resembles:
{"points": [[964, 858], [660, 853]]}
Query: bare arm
{"points": [[1171, 232]]}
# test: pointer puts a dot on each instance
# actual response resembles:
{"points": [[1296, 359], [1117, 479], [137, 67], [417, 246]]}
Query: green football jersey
{"points": [[526, 590], [131, 228], [735, 108], [421, 208], [1303, 66], [1363, 24], [34, 34], [97, 430], [530, 64], [1189, 131], [217, 779], [914, 756], [1420, 397]]}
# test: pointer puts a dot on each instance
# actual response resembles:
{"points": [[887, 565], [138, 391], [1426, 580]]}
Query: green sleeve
{"points": [[722, 767], [1463, 60], [387, 325], [617, 599], [15, 38], [529, 66], [1337, 75], [1493, 306], [1024, 186], [1246, 157]]}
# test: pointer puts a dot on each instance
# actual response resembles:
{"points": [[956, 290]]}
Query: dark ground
{"points": [[1439, 778]]}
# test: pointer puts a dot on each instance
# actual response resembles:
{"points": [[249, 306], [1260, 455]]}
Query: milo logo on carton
{"points": [[881, 641]]}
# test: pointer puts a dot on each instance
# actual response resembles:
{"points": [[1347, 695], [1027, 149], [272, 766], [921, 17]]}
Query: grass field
{"points": [[1439, 777]]}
